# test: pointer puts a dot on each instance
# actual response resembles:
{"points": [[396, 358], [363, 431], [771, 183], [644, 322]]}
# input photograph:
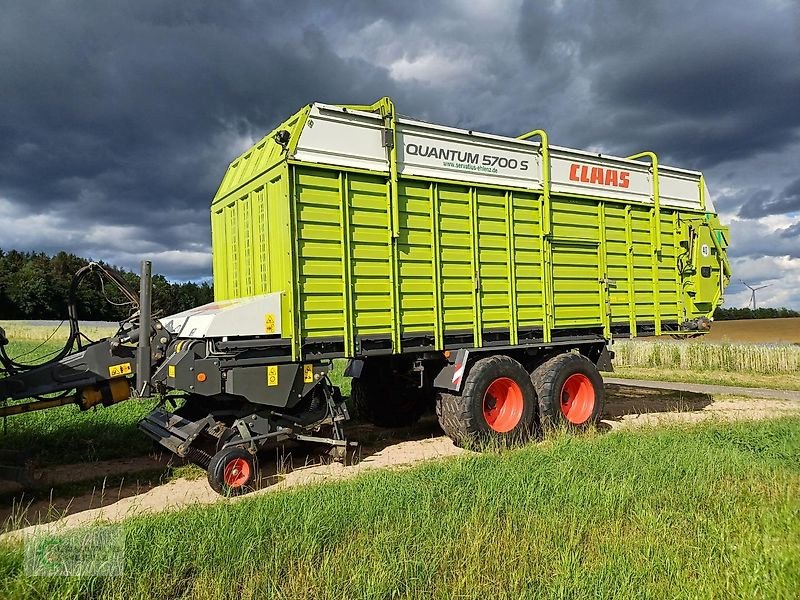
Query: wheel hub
{"points": [[237, 473], [577, 399], [503, 404]]}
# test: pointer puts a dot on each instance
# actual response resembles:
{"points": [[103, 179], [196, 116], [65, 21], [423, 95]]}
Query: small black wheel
{"points": [[232, 472], [498, 402], [570, 391]]}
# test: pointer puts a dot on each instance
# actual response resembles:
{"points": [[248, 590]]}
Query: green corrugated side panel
{"points": [[455, 253], [343, 259], [493, 260], [616, 259], [251, 225], [370, 255], [447, 275], [438, 280], [320, 252], [415, 251], [641, 233], [248, 241], [577, 291], [668, 290], [527, 260]]}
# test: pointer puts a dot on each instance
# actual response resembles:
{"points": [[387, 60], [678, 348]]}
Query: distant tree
{"points": [[36, 286]]}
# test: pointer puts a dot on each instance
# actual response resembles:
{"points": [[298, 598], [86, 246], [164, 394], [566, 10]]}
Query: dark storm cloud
{"points": [[744, 199], [703, 81], [121, 117], [128, 115], [786, 201], [792, 232], [752, 239]]}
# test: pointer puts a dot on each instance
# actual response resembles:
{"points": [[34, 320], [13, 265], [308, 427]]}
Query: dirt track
{"points": [[626, 406], [702, 388]]}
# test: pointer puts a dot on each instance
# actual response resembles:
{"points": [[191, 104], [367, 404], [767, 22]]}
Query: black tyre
{"points": [[498, 402], [232, 472], [570, 392], [387, 404]]}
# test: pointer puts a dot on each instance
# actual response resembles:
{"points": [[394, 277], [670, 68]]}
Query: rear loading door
{"points": [[704, 265]]}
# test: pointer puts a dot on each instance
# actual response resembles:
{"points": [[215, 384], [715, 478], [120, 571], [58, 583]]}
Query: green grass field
{"points": [[704, 512], [68, 435]]}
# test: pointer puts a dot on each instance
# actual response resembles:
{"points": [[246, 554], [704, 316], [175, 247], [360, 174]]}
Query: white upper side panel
{"points": [[678, 188], [255, 315], [587, 174], [333, 136], [427, 150], [348, 138]]}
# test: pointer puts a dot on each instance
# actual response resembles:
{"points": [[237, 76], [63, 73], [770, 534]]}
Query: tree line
{"points": [[731, 314], [35, 285]]}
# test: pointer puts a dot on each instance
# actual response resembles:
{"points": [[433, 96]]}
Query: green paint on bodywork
{"points": [[360, 254]]}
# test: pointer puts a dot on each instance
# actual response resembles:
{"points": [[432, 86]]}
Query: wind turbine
{"points": [[753, 292]]}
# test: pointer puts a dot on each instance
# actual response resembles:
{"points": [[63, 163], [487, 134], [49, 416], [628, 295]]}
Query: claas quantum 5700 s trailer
{"points": [[480, 275]]}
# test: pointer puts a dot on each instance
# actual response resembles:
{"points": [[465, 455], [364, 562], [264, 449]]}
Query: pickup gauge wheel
{"points": [[232, 472]]}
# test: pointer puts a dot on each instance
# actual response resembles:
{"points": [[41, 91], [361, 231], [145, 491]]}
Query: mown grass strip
{"points": [[66, 434], [711, 511]]}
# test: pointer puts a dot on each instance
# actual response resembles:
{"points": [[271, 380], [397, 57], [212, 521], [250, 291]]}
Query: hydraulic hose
{"points": [[12, 366]]}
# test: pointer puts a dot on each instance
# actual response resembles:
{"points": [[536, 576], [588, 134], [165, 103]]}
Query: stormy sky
{"points": [[118, 119]]}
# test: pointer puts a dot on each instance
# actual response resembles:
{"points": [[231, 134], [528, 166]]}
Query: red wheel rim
{"points": [[503, 404], [577, 398], [237, 473]]}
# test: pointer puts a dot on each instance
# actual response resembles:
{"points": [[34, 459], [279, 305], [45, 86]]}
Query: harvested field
{"points": [[694, 355], [756, 331]]}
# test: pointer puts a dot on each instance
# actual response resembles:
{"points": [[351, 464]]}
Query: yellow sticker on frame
{"points": [[119, 370], [269, 323], [308, 373], [272, 375]]}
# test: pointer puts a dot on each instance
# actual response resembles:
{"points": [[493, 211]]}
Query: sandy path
{"points": [[704, 388], [180, 493], [626, 406]]}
